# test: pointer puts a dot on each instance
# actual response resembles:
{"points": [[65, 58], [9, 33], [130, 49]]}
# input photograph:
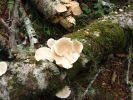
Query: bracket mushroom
{"points": [[63, 51]]}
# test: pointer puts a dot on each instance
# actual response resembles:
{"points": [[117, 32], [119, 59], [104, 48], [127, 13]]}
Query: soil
{"points": [[112, 81]]}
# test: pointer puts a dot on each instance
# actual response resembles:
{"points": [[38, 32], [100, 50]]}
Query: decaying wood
{"points": [[58, 11], [27, 78]]}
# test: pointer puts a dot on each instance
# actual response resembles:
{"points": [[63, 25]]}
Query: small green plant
{"points": [[91, 92], [97, 9], [102, 8]]}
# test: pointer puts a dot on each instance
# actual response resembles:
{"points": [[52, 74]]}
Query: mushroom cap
{"points": [[71, 20], [75, 8], [77, 46], [72, 58], [60, 8], [69, 50], [61, 60], [65, 23], [43, 53], [3, 67], [65, 1], [63, 46], [64, 93], [51, 42]]}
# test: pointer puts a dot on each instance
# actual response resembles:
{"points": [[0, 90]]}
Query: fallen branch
{"points": [[14, 27], [128, 82], [29, 28]]}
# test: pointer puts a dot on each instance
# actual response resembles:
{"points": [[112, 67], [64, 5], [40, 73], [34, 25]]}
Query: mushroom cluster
{"points": [[64, 52], [69, 6]]}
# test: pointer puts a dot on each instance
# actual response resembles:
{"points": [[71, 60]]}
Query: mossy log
{"points": [[27, 79]]}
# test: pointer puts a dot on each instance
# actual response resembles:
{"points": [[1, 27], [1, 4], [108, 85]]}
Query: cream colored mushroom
{"points": [[68, 49], [72, 58], [65, 1], [64, 93], [61, 60], [75, 8], [77, 46], [3, 67], [68, 5], [60, 8], [64, 51], [43, 53], [65, 23], [51, 42], [63, 46], [71, 20]]}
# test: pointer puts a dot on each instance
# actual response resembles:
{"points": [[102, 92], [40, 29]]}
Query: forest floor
{"points": [[110, 83]]}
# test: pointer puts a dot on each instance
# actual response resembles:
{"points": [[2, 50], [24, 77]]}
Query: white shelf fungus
{"points": [[64, 51], [71, 20], [77, 46], [64, 93], [75, 8], [60, 8], [63, 46], [3, 68], [51, 42], [43, 53]]}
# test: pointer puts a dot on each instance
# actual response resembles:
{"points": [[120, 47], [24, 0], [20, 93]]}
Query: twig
{"points": [[11, 34], [29, 28], [129, 64], [12, 30], [90, 84], [128, 82], [10, 4], [5, 25]]}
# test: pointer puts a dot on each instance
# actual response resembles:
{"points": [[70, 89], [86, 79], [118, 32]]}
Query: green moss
{"points": [[73, 72], [16, 88], [100, 38], [111, 36], [56, 84], [19, 91], [77, 35]]}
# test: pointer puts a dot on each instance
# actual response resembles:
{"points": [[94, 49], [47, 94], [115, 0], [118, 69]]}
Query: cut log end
{"points": [[65, 10]]}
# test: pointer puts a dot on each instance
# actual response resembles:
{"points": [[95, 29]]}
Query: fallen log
{"points": [[28, 79], [59, 11]]}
